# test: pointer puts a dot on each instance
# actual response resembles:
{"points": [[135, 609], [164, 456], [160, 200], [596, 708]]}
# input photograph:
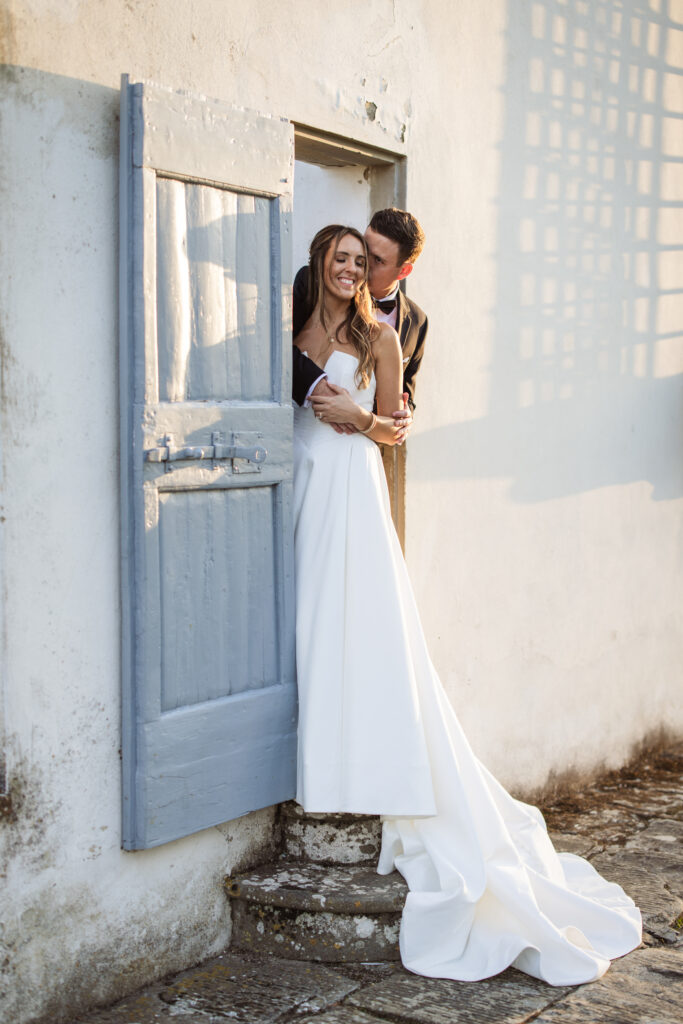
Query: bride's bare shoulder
{"points": [[385, 342]]}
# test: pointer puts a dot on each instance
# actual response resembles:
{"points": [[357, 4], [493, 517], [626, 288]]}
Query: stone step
{"points": [[330, 838], [316, 912]]}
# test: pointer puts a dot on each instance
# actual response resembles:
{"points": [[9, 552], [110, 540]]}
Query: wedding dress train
{"points": [[377, 734]]}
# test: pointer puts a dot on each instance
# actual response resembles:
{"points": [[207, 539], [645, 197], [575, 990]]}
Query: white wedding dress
{"points": [[378, 735]]}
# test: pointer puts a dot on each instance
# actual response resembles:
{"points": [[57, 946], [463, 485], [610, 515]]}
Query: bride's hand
{"points": [[338, 409]]}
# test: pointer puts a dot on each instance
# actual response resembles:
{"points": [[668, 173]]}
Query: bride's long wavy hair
{"points": [[359, 324]]}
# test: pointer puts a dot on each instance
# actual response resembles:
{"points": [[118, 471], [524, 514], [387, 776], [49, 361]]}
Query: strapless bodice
{"points": [[341, 370]]}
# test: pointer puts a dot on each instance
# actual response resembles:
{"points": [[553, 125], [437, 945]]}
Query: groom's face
{"points": [[385, 267]]}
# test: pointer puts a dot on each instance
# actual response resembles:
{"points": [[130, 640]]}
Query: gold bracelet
{"points": [[373, 424]]}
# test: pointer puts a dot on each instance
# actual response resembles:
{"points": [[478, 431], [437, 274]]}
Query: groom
{"points": [[395, 240]]}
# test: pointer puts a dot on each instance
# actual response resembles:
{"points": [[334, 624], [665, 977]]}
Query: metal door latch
{"points": [[239, 452]]}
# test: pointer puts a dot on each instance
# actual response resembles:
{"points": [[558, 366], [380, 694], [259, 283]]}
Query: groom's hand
{"points": [[326, 390], [403, 420]]}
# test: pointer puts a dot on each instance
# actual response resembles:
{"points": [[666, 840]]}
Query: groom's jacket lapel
{"points": [[403, 319]]}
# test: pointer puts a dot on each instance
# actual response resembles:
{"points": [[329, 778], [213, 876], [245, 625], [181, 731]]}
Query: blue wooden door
{"points": [[209, 695]]}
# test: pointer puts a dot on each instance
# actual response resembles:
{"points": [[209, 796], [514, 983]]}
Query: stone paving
{"points": [[629, 824]]}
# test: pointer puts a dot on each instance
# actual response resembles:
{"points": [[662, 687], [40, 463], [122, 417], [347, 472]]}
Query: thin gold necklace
{"points": [[332, 338]]}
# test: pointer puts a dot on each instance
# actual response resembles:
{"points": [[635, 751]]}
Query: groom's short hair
{"points": [[401, 227]]}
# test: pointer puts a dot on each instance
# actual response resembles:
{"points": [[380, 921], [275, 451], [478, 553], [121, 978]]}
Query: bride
{"points": [[377, 734]]}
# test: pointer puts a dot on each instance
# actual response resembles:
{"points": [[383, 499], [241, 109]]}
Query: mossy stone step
{"points": [[330, 838], [337, 890], [313, 912]]}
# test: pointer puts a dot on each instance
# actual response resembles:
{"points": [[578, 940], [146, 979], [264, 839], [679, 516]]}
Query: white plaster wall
{"points": [[545, 478]]}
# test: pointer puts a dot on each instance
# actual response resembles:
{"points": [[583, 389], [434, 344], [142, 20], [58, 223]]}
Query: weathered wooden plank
{"points": [[281, 306], [217, 587], [233, 353], [207, 377], [145, 288], [197, 137], [183, 776], [253, 264], [174, 309], [128, 218], [263, 553]]}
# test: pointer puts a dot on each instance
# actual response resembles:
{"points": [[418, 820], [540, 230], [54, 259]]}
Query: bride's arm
{"points": [[382, 427], [389, 376]]}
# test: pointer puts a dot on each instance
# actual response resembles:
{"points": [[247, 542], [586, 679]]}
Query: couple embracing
{"points": [[377, 733], [393, 240]]}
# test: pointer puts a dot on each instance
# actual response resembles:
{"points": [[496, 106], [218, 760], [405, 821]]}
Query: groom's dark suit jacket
{"points": [[411, 327]]}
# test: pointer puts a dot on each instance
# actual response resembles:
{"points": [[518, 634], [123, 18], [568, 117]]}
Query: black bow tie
{"points": [[386, 305]]}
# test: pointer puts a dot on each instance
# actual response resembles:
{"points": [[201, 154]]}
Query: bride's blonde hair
{"points": [[359, 324]]}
